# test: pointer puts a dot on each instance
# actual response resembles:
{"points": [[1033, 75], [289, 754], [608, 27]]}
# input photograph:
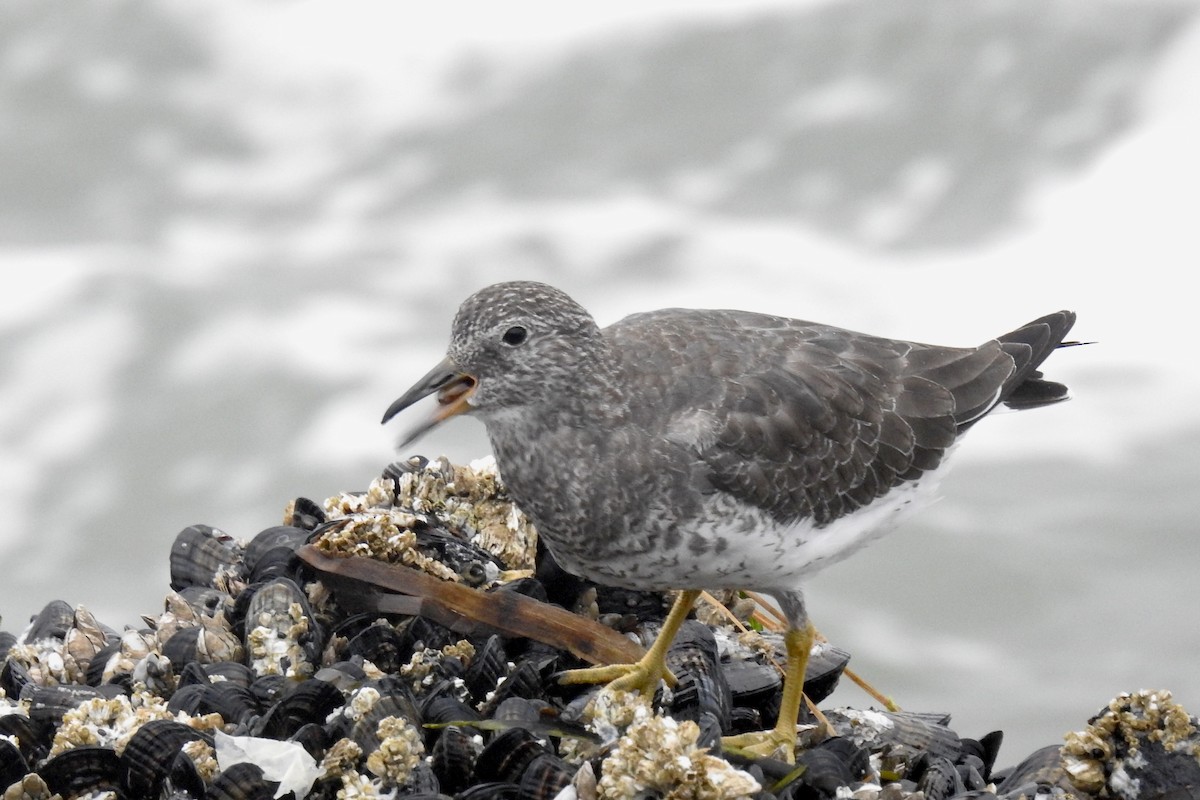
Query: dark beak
{"points": [[454, 388]]}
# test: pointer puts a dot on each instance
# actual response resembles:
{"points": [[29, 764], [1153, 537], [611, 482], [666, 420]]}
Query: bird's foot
{"points": [[642, 677], [778, 743]]}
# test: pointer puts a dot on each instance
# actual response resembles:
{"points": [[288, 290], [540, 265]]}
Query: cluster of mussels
{"points": [[266, 677]]}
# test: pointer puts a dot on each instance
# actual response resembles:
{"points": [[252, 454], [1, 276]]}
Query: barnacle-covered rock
{"points": [[400, 750], [659, 754], [1144, 745]]}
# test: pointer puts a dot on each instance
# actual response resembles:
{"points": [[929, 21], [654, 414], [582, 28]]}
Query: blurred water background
{"points": [[232, 232]]}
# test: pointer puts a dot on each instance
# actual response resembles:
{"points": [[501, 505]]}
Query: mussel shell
{"points": [[82, 769], [1041, 768], [47, 704], [364, 731], [544, 777], [505, 758], [230, 672], [52, 622], [183, 647], [526, 681], [270, 553], [235, 703], [834, 763], [454, 551], [491, 791], [242, 781], [94, 673], [488, 666], [13, 765], [936, 777], [149, 756], [701, 689], [22, 729], [200, 553], [188, 699], [986, 748], [453, 758], [14, 677], [382, 645], [313, 738], [304, 513], [269, 689], [423, 633], [7, 640], [311, 701]]}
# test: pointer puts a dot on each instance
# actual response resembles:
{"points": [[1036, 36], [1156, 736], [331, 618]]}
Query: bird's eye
{"points": [[515, 335]]}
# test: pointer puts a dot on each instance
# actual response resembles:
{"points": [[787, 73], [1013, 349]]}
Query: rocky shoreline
{"points": [[406, 641]]}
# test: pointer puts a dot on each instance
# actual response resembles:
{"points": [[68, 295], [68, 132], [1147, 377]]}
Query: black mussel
{"points": [[398, 469], [52, 622], [14, 677], [490, 791], [457, 554], [453, 758], [242, 781], [421, 633], [936, 777], [364, 731], [82, 769], [149, 757], [529, 586], [47, 704], [834, 763], [98, 665], [13, 764], [183, 647], [381, 644], [279, 612], [205, 556], [311, 701], [7, 640], [230, 672], [236, 704], [506, 756], [986, 748], [544, 777], [1041, 768], [22, 729], [188, 699], [268, 689], [304, 514], [313, 737], [701, 688], [420, 781], [525, 681], [270, 554], [487, 667], [441, 707]]}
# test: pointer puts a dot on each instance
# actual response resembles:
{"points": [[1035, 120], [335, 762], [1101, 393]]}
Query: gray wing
{"points": [[810, 421]]}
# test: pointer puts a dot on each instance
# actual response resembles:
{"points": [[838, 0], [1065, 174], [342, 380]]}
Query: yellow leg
{"points": [[798, 642], [647, 672]]}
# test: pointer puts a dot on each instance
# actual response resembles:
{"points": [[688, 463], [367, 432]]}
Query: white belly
{"points": [[763, 555]]}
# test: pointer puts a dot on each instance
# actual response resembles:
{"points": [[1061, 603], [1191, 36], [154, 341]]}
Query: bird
{"points": [[694, 449]]}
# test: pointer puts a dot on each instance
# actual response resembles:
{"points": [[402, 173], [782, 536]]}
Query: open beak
{"points": [[454, 389]]}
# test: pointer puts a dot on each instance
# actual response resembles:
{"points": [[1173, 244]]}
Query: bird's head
{"points": [[513, 346]]}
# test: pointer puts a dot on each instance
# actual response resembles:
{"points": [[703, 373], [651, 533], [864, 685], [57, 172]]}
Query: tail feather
{"points": [[1029, 346]]}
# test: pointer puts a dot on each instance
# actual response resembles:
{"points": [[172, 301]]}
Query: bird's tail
{"points": [[1030, 345]]}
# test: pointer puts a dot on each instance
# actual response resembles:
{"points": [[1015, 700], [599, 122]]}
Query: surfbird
{"points": [[702, 449]]}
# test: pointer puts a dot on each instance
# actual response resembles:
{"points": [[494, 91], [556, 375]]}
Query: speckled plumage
{"points": [[649, 452], [706, 449]]}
